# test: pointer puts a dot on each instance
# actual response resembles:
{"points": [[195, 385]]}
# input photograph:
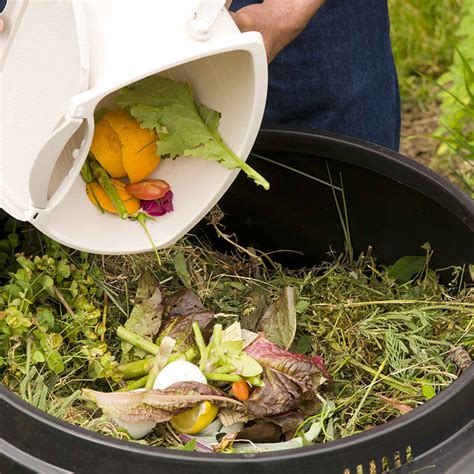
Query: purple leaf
{"points": [[159, 207], [200, 446], [181, 310], [306, 370]]}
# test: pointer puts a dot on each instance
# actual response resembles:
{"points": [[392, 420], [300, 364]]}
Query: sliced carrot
{"points": [[241, 390]]}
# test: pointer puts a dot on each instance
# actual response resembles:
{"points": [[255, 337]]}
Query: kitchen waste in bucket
{"points": [[60, 62]]}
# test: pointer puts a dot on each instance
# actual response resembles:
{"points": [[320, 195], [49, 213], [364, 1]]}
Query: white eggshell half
{"points": [[178, 371]]}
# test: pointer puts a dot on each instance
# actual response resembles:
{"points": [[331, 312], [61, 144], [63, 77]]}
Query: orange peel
{"points": [[123, 148]]}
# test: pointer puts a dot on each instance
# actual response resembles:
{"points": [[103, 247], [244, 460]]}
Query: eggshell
{"points": [[178, 371]]}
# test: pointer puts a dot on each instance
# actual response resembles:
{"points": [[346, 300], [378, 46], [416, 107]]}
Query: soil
{"points": [[417, 125]]}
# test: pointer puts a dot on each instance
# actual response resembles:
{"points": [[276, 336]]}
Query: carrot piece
{"points": [[241, 390]]}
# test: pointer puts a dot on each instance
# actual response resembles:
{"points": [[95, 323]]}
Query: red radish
{"points": [[149, 189]]}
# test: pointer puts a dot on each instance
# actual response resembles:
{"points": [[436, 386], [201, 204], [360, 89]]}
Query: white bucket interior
{"points": [[224, 82]]}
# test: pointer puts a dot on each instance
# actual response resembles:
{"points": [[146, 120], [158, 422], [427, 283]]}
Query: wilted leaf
{"points": [[289, 422], [158, 405], [403, 408], [180, 328], [279, 320], [181, 310], [181, 268], [280, 394], [145, 318], [181, 303], [405, 268], [306, 370], [250, 320], [261, 433]]}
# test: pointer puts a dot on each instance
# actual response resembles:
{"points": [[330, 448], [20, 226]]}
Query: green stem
{"points": [[137, 340], [189, 355], [353, 420], [155, 370], [199, 339], [213, 376], [224, 369], [135, 369], [388, 380], [141, 218], [140, 383], [217, 335], [106, 182], [86, 172], [255, 381], [161, 359], [247, 169]]}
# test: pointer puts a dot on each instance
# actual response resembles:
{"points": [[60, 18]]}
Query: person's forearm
{"points": [[279, 21], [295, 14]]}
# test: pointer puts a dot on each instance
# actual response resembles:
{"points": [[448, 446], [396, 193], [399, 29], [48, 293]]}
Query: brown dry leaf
{"points": [[403, 408]]}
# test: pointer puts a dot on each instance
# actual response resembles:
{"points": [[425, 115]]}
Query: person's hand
{"points": [[279, 21], [2, 25]]}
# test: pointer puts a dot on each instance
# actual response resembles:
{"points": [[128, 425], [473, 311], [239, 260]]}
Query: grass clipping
{"points": [[392, 338]]}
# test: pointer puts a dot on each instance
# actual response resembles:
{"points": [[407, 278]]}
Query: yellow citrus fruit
{"points": [[107, 149], [196, 419], [99, 198], [123, 148]]}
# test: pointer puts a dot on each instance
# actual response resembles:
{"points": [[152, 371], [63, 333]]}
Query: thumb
{"points": [[2, 25], [244, 20]]}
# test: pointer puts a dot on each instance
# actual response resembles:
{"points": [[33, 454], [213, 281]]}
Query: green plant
{"points": [[456, 130], [420, 32], [50, 315]]}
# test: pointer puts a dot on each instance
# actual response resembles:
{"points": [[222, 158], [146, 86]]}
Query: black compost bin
{"points": [[394, 205]]}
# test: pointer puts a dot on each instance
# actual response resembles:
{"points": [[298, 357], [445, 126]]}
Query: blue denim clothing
{"points": [[338, 74]]}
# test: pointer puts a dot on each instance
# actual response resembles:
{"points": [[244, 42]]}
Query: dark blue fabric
{"points": [[338, 74]]}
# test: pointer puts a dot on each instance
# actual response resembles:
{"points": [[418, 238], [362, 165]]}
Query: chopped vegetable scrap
{"points": [[201, 371], [156, 118]]}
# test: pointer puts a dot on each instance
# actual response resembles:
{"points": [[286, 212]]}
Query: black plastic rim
{"points": [[375, 158]]}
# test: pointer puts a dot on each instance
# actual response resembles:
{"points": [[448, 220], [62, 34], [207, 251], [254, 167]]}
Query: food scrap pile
{"points": [[225, 353], [229, 382], [155, 118]]}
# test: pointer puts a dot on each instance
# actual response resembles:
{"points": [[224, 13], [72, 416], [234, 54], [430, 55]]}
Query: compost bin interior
{"points": [[393, 205]]}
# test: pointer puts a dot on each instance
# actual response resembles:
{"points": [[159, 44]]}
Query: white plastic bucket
{"points": [[92, 49]]}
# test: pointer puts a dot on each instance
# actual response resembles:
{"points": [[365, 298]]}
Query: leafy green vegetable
{"points": [[279, 320], [184, 127], [145, 318], [223, 359]]}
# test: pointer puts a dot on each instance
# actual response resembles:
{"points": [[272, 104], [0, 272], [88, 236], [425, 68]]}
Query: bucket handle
{"points": [[200, 25]]}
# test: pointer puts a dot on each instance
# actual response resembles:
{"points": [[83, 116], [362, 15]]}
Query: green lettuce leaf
{"points": [[145, 318], [184, 127], [279, 320]]}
